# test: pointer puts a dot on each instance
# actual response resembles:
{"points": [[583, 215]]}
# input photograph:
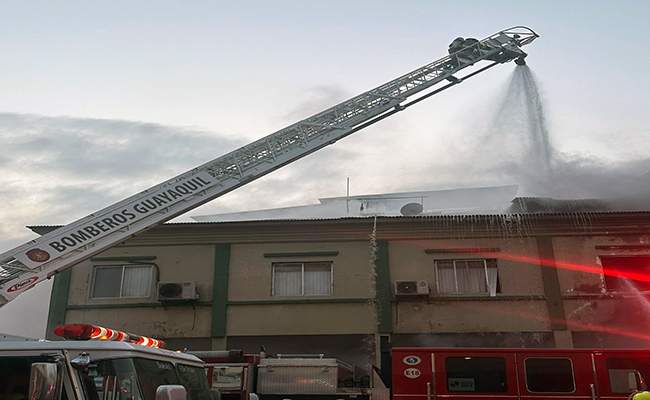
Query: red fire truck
{"points": [[436, 374], [526, 374]]}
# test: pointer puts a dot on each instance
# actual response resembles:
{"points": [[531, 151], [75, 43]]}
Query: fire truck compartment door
{"points": [[555, 375]]}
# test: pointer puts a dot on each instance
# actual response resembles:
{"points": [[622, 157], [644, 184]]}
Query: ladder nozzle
{"points": [[521, 60]]}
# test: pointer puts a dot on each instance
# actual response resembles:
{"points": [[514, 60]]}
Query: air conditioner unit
{"points": [[171, 291], [411, 288]]}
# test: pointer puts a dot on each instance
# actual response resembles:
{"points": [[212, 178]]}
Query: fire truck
{"points": [[87, 370], [114, 366], [239, 376], [435, 374], [29, 264], [530, 374]]}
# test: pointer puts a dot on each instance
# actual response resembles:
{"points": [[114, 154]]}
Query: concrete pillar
{"points": [[218, 343], [563, 339]]}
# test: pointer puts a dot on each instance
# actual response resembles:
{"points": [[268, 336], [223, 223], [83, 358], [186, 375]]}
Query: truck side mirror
{"points": [[171, 392], [253, 396], [44, 381], [641, 382], [80, 363]]}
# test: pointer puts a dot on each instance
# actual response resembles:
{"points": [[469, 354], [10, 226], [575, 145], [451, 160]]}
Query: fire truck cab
{"points": [[98, 370], [522, 374]]}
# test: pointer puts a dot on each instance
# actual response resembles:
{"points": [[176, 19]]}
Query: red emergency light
{"points": [[93, 332]]}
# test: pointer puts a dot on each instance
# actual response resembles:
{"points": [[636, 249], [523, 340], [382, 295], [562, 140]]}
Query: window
{"points": [[476, 374], [467, 277], [122, 281], [227, 377], [302, 279], [549, 375], [621, 273], [627, 375], [193, 378], [14, 376]]}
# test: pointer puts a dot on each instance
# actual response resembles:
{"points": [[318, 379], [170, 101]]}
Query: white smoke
{"points": [[518, 145]]}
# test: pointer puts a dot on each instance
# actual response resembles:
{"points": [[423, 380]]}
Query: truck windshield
{"points": [[138, 379]]}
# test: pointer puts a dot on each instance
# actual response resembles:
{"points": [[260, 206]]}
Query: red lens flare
{"points": [[574, 324], [592, 269]]}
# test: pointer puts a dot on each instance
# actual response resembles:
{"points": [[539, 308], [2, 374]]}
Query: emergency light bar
{"points": [[93, 332]]}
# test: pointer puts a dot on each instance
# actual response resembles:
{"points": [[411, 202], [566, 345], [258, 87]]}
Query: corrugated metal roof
{"points": [[370, 217], [394, 228]]}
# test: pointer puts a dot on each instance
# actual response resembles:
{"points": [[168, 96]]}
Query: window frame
{"points": [[487, 263], [615, 284], [479, 372], [302, 278], [123, 267], [573, 373], [638, 365]]}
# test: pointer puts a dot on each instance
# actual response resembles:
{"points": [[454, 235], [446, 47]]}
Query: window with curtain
{"points": [[115, 281], [467, 277], [302, 279]]}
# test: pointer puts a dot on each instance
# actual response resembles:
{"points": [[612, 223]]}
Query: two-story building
{"points": [[529, 276]]}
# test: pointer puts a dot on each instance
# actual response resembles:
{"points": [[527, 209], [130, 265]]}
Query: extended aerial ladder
{"points": [[24, 266]]}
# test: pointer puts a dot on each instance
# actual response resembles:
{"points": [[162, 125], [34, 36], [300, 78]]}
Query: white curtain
{"points": [[466, 277], [287, 279], [446, 277], [136, 281], [492, 276], [471, 276], [107, 282], [297, 279], [318, 278]]}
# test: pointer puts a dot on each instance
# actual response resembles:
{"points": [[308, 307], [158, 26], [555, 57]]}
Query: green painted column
{"points": [[382, 287], [551, 282], [58, 303], [220, 290]]}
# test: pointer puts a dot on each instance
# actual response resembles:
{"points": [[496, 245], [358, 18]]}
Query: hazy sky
{"points": [[101, 99]]}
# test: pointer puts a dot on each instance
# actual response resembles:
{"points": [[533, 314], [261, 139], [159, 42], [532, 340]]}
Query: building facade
{"points": [[343, 286]]}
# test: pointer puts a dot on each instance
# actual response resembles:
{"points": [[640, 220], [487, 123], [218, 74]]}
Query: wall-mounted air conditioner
{"points": [[171, 291], [411, 288]]}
